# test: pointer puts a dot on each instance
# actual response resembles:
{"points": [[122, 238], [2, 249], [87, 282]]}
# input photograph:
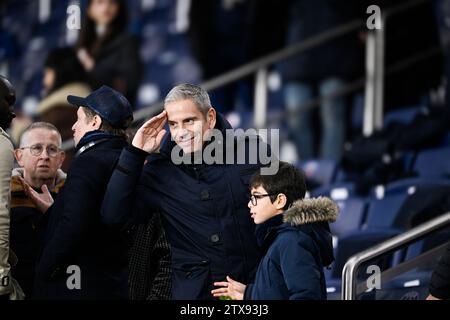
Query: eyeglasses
{"points": [[37, 149], [254, 197]]}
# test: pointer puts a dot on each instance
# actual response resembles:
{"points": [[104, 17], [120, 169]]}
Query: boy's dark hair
{"points": [[288, 180]]}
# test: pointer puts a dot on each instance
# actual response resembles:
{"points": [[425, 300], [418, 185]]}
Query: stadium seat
{"points": [[350, 217], [320, 171], [433, 163], [403, 115], [358, 241], [384, 206]]}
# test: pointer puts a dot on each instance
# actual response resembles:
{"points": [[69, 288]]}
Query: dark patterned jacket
{"points": [[150, 273]]}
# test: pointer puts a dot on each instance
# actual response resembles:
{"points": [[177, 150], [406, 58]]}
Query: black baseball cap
{"points": [[110, 104]]}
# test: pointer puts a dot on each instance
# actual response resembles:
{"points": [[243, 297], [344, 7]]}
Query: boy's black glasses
{"points": [[254, 197]]}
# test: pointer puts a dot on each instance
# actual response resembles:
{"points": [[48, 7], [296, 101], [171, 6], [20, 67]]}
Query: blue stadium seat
{"points": [[358, 241], [352, 208], [433, 163], [351, 244], [446, 140], [403, 115], [351, 216], [412, 285], [321, 172], [335, 191], [383, 210], [426, 244]]}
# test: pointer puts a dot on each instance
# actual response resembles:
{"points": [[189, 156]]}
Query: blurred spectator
{"points": [[40, 160], [218, 32], [442, 14], [324, 69], [63, 76], [267, 27], [107, 52], [408, 40]]}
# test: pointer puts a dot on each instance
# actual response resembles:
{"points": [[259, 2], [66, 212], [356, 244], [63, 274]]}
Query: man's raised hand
{"points": [[150, 134]]}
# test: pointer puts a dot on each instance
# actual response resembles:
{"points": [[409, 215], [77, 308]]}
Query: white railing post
{"points": [[260, 98], [379, 76], [369, 91], [373, 95]]}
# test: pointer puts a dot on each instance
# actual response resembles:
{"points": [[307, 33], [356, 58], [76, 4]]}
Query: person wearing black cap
{"points": [[81, 258], [8, 287]]}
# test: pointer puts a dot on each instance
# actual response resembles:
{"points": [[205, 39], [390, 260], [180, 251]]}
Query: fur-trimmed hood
{"points": [[309, 217], [321, 209]]}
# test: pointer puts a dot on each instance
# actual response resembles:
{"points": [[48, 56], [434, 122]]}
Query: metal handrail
{"points": [[359, 83], [270, 59], [252, 67], [388, 246]]}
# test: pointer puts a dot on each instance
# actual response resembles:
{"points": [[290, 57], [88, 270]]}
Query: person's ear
{"points": [[18, 153], [61, 157], [211, 117], [280, 201], [97, 122]]}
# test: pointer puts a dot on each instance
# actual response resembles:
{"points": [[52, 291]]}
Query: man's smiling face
{"points": [[188, 126]]}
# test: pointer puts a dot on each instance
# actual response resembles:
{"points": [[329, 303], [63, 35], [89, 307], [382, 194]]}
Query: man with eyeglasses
{"points": [[40, 158], [81, 258]]}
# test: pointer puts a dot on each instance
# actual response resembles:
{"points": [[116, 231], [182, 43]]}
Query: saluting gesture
{"points": [[149, 136]]}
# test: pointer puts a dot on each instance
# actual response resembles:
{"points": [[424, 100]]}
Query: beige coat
{"points": [[6, 165]]}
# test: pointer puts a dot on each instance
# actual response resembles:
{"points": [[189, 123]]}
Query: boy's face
{"points": [[264, 208]]}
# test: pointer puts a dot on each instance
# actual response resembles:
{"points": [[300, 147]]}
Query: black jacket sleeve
{"points": [[125, 198]]}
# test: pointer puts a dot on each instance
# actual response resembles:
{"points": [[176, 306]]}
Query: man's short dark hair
{"points": [[288, 180], [105, 126]]}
